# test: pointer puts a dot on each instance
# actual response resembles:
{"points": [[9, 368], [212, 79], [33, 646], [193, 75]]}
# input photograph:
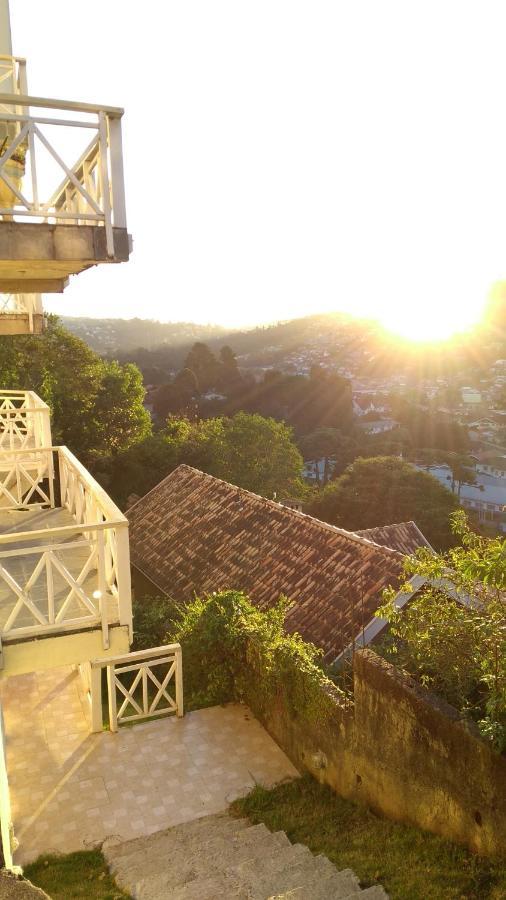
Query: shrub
{"points": [[452, 635], [227, 642], [153, 617]]}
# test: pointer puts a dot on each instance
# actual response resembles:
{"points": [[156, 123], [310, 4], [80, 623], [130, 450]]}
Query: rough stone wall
{"points": [[400, 750]]}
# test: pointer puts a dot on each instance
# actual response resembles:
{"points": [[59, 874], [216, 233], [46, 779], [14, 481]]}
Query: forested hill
{"points": [[123, 335], [137, 339], [332, 339]]}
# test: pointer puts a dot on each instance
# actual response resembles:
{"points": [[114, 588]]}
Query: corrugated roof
{"points": [[194, 534], [405, 537]]}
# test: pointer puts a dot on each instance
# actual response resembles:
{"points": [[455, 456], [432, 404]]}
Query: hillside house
{"points": [[194, 534]]}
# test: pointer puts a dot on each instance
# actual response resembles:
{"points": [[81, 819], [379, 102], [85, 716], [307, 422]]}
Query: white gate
{"points": [[141, 685]]}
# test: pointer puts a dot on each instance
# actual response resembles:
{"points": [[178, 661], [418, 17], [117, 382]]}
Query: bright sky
{"points": [[287, 157]]}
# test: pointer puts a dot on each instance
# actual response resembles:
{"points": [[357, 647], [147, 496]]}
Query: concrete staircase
{"points": [[221, 857]]}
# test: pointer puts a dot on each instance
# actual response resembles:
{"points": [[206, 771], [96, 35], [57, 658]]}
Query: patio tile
{"points": [[71, 790]]}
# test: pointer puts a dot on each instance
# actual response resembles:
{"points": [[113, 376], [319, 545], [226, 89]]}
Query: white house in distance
{"points": [[487, 498]]}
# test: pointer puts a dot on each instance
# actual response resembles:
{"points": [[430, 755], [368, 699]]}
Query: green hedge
{"points": [[231, 648]]}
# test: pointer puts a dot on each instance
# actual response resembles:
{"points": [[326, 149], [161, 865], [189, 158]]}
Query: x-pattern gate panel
{"points": [[144, 684]]}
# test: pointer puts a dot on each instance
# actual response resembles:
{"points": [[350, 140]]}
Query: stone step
{"points": [[301, 880], [215, 857], [270, 865], [182, 834], [221, 857], [340, 885], [215, 887]]}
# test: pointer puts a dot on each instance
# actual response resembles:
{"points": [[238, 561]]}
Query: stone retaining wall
{"points": [[400, 750]]}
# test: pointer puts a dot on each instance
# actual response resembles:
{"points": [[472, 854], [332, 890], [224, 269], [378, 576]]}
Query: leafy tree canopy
{"points": [[247, 450], [457, 647], [97, 405], [384, 490]]}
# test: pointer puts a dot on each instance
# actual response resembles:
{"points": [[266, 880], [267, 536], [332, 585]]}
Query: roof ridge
{"points": [[319, 523]]}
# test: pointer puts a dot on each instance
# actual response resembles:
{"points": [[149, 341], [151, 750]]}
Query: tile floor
{"points": [[71, 789]]}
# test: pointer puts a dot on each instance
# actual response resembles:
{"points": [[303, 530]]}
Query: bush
{"points": [[153, 618], [232, 649], [452, 635]]}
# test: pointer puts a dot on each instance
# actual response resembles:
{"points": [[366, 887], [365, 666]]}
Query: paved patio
{"points": [[71, 789]]}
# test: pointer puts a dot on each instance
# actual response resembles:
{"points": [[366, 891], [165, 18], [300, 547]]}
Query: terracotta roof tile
{"points": [[194, 534], [405, 537]]}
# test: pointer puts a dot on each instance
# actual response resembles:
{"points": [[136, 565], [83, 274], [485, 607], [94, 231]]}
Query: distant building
{"points": [[379, 426], [314, 470], [487, 498], [470, 396]]}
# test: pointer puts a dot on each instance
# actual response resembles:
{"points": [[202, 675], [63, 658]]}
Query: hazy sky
{"points": [[288, 157]]}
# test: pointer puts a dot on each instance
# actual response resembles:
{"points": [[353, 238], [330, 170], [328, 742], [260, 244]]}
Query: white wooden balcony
{"points": [[62, 201], [64, 560], [24, 421]]}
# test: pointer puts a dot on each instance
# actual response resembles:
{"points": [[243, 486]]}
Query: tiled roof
{"points": [[405, 537], [194, 534]]}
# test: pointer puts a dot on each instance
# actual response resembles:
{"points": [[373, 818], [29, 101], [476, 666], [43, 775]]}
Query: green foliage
{"points": [[97, 406], [384, 490], [458, 649], [153, 618], [141, 467], [247, 450], [409, 863], [225, 639]]}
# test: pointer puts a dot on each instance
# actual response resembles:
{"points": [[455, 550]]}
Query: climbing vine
{"points": [[234, 651]]}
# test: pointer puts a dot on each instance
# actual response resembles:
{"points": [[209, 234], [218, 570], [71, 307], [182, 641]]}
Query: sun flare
{"points": [[426, 325]]}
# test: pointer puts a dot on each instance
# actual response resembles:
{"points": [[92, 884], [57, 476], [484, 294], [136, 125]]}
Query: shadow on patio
{"points": [[71, 789]]}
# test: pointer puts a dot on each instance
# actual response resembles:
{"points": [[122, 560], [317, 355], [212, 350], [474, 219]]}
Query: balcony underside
{"points": [[39, 257], [20, 569]]}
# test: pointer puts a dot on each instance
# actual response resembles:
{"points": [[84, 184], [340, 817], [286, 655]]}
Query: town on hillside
{"points": [[441, 409]]}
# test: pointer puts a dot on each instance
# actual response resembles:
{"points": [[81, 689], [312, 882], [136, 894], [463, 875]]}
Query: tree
{"points": [[247, 450], [97, 406], [326, 443], [122, 420], [140, 468], [260, 455], [452, 635], [230, 378], [305, 403], [204, 365], [385, 490], [177, 398]]}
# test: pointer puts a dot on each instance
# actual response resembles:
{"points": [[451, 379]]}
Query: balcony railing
{"points": [[24, 419], [27, 307], [35, 180], [12, 77], [142, 685], [64, 554]]}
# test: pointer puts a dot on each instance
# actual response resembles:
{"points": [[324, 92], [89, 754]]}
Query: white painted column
{"points": [[5, 33], [96, 698]]}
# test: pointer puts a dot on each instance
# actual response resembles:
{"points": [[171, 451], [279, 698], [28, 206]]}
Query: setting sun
{"points": [[429, 325]]}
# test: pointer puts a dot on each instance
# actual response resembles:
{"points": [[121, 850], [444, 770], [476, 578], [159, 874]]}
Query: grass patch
{"points": [[76, 875], [410, 864]]}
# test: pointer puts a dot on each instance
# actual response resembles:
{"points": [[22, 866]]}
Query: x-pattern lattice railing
{"points": [[26, 479], [53, 592], [90, 189], [68, 575], [144, 684], [28, 305], [24, 420], [12, 77]]}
